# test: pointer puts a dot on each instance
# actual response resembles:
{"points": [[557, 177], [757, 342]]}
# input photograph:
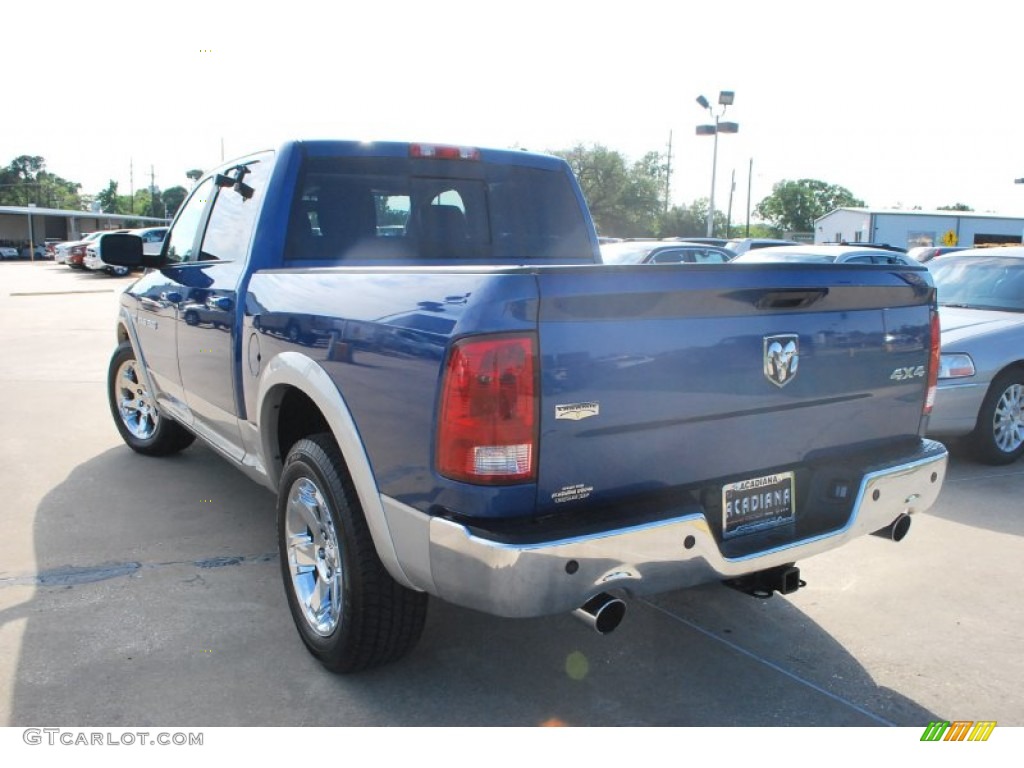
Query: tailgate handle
{"points": [[790, 298]]}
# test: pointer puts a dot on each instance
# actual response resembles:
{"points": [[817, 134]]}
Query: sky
{"points": [[903, 103]]}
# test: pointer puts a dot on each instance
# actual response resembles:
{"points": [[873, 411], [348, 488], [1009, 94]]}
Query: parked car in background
{"points": [[981, 370], [884, 246], [36, 252], [8, 252], [661, 252], [744, 244], [719, 241], [62, 251], [925, 253], [51, 244], [152, 239], [825, 254]]}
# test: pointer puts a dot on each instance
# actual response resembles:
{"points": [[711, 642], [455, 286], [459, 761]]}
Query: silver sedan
{"points": [[981, 374]]}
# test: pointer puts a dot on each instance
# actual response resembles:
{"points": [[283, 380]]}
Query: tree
{"points": [[172, 199], [624, 201], [956, 207], [195, 174], [109, 200], [688, 221], [143, 202], [25, 180], [793, 206]]}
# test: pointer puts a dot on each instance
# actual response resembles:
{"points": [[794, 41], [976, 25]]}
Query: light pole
{"points": [[725, 99]]}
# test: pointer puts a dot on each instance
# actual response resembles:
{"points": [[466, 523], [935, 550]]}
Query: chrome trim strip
{"points": [[550, 577]]}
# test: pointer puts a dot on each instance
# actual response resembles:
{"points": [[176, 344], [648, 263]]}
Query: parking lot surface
{"points": [[140, 591]]}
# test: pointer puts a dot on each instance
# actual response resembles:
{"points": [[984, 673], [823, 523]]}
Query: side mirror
{"points": [[123, 250]]}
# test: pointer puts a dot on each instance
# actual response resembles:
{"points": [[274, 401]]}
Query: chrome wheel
{"points": [[314, 557], [134, 405], [1008, 419]]}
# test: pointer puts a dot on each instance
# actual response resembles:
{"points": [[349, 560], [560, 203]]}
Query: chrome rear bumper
{"points": [[520, 580]]}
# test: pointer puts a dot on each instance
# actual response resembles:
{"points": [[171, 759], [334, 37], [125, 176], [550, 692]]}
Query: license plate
{"points": [[757, 504]]}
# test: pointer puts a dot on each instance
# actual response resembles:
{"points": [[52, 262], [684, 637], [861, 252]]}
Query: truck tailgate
{"points": [[664, 378]]}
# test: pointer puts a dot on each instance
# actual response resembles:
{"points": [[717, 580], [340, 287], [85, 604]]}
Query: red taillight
{"points": [[487, 432], [444, 152], [933, 364], [78, 250]]}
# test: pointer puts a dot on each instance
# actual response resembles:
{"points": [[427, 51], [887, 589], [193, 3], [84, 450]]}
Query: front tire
{"points": [[348, 610], [133, 407], [998, 437]]}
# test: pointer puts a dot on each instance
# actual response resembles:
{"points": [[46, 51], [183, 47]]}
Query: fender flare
{"points": [[296, 370]]}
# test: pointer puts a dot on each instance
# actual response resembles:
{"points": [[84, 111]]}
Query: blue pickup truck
{"points": [[417, 349]]}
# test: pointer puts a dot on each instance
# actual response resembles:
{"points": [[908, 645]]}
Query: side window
{"points": [[669, 257], [234, 213], [183, 233], [710, 257]]}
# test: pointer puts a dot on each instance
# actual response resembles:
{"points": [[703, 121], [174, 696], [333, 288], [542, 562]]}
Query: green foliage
{"points": [[689, 221], [195, 174], [625, 201], [956, 207], [172, 198], [793, 206], [25, 180], [143, 203], [109, 200]]}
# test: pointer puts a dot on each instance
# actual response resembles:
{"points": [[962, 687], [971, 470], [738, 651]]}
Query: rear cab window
{"points": [[353, 210]]}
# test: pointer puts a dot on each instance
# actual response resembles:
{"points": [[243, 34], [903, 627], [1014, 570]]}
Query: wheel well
{"points": [[122, 333], [1017, 366], [297, 418]]}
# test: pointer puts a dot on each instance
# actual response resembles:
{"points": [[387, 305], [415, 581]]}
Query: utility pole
{"points": [[131, 186], [152, 191], [668, 173]]}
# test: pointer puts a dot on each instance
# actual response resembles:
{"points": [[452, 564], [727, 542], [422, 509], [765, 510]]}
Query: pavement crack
{"points": [[75, 575]]}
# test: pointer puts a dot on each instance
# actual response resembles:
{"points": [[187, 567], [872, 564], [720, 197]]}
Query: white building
{"points": [[908, 229]]}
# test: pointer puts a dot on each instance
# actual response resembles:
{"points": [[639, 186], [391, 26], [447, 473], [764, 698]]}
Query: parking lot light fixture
{"points": [[725, 100]]}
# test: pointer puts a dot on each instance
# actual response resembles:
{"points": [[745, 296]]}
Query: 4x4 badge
{"points": [[781, 358]]}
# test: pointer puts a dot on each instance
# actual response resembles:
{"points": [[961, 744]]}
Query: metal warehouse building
{"points": [[22, 225], [908, 229]]}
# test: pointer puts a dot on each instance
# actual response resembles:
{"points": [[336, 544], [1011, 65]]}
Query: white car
{"points": [[152, 239], [825, 254], [63, 250], [6, 252]]}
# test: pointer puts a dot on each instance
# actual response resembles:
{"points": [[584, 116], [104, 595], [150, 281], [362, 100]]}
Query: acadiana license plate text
{"points": [[758, 503]]}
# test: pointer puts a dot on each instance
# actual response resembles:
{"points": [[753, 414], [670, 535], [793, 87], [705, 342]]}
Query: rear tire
{"points": [[349, 612], [136, 417], [998, 437]]}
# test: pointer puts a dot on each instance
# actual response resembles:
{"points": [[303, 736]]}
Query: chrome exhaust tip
{"points": [[896, 530], [602, 613]]}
